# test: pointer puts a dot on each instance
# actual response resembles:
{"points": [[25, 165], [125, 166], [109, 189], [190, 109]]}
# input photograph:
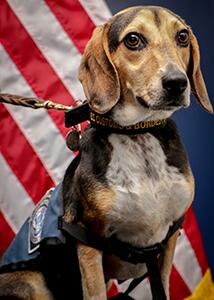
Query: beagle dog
{"points": [[138, 68]]}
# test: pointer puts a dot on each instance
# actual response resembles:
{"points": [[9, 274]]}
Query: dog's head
{"points": [[142, 64]]}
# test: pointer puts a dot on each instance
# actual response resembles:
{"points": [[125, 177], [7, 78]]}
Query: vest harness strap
{"points": [[126, 252]]}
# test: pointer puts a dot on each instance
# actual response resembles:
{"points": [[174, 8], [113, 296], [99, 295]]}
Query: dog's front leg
{"points": [[166, 262], [91, 268]]}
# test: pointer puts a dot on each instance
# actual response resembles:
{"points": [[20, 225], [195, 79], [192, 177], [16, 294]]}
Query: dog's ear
{"points": [[198, 86], [98, 74]]}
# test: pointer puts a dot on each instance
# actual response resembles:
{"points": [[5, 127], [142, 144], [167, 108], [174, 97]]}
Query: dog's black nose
{"points": [[174, 83]]}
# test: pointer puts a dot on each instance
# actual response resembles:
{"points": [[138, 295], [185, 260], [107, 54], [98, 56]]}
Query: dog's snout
{"points": [[174, 83]]}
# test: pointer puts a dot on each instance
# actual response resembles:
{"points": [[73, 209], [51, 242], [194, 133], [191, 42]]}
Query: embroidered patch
{"points": [[36, 222]]}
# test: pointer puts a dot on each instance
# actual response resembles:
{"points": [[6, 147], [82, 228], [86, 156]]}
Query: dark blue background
{"points": [[196, 126]]}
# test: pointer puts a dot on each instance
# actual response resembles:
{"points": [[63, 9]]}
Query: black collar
{"points": [[105, 123], [83, 113]]}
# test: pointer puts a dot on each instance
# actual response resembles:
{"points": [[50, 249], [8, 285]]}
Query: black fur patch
{"points": [[88, 168], [172, 146], [96, 153]]}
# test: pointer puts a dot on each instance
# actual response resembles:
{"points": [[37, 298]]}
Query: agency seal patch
{"points": [[36, 222]]}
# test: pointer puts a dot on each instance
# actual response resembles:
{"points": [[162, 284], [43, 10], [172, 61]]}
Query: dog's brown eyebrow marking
{"points": [[119, 23], [156, 17]]}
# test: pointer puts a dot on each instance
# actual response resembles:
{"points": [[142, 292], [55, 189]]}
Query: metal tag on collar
{"points": [[73, 138]]}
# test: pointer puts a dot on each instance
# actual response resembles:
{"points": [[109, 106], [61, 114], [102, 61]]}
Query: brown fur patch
{"points": [[24, 285], [93, 282], [157, 19], [69, 216], [99, 202], [166, 260], [97, 73]]}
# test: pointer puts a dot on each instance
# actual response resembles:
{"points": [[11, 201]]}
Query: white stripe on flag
{"points": [[37, 126], [141, 292], [52, 41], [186, 262], [97, 10], [15, 203]]}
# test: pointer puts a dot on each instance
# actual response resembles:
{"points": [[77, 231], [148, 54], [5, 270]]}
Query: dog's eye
{"points": [[182, 38], [134, 41]]}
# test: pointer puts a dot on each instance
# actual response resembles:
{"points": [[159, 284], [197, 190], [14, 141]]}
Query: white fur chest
{"points": [[150, 194]]}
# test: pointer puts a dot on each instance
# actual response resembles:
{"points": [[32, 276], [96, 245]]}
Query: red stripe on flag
{"points": [[79, 26], [113, 291], [178, 288], [32, 64], [22, 159], [6, 234], [194, 236]]}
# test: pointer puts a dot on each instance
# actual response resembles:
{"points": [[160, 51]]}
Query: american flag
{"points": [[40, 51]]}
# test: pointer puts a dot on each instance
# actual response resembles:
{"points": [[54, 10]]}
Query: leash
{"points": [[34, 103], [148, 255]]}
